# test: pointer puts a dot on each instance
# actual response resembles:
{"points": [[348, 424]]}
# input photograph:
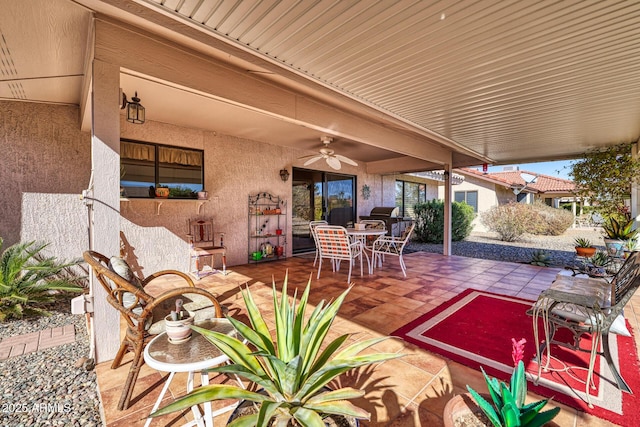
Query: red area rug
{"points": [[475, 329]]}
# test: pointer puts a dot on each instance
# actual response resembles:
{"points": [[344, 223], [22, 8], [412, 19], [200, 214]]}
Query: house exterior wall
{"points": [[489, 195], [45, 165]]}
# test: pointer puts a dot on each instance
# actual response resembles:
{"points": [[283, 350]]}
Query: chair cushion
{"points": [[122, 269]]}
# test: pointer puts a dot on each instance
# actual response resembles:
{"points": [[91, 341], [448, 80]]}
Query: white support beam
{"points": [[105, 196]]}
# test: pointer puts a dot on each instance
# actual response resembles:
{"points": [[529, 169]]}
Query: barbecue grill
{"points": [[388, 214]]}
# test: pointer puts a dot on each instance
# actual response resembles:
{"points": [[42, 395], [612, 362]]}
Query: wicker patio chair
{"points": [[144, 313]]}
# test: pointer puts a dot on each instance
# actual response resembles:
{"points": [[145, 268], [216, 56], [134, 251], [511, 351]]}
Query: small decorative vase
{"points": [[178, 331]]}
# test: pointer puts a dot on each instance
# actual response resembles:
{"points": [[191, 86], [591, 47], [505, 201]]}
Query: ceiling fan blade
{"points": [[346, 160], [312, 159], [334, 163]]}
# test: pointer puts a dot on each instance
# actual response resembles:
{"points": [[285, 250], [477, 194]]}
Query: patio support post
{"points": [[635, 189], [104, 196], [446, 247]]}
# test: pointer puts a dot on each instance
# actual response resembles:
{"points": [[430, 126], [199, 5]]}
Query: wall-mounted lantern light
{"points": [[135, 111]]}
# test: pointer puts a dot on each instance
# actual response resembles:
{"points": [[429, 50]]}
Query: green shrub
{"points": [[430, 221], [28, 280]]}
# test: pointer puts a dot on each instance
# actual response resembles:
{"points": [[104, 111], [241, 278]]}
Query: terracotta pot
{"points": [[463, 406], [178, 331], [162, 192], [585, 252]]}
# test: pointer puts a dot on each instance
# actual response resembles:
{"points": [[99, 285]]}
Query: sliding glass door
{"points": [[320, 196]]}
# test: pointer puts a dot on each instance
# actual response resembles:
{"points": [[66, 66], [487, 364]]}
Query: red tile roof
{"points": [[544, 183]]}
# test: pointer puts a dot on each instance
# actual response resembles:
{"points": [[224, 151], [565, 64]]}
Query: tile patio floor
{"points": [[410, 391]]}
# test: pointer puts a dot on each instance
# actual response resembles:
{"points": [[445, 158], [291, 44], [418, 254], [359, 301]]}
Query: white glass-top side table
{"points": [[196, 354]]}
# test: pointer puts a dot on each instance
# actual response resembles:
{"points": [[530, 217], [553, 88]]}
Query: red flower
{"points": [[518, 350]]}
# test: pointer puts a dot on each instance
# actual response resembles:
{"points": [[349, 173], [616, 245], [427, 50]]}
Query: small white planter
{"points": [[178, 331]]}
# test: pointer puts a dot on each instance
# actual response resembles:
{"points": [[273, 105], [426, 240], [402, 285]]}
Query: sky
{"points": [[559, 169]]}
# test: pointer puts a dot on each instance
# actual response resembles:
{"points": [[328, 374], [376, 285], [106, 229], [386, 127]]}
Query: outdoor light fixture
{"points": [[284, 175], [135, 111]]}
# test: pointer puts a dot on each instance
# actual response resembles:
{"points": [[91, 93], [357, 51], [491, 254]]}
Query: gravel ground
{"points": [[47, 388], [488, 246]]}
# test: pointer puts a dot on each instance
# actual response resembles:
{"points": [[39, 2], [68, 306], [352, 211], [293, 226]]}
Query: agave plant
{"points": [[619, 230], [509, 409], [541, 258], [581, 242], [293, 371], [28, 280]]}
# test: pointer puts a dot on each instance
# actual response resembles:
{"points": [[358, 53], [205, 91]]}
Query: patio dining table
{"points": [[361, 235]]}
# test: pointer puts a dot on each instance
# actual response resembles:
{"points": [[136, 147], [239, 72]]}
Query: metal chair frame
{"points": [[334, 244], [390, 245], [312, 229], [555, 308]]}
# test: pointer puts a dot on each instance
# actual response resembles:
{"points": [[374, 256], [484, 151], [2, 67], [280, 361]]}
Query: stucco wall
{"points": [[44, 166], [234, 168], [47, 164]]}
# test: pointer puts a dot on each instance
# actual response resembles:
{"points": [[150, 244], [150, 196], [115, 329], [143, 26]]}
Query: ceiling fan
{"points": [[333, 160]]}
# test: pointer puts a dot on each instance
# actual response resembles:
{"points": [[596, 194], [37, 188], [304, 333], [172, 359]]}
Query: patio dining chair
{"points": [[394, 246], [334, 244], [312, 229], [142, 312], [376, 224]]}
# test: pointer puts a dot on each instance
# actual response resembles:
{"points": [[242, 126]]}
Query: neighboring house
{"points": [[485, 190]]}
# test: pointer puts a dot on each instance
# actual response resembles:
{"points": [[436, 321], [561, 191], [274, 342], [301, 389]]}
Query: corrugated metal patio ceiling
{"points": [[512, 80]]}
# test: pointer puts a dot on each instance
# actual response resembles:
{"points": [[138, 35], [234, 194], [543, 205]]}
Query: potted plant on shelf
{"points": [[162, 191], [584, 248], [616, 233], [294, 370], [508, 407]]}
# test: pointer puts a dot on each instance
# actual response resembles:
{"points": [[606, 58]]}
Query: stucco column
{"points": [[105, 192], [635, 188], [446, 247]]}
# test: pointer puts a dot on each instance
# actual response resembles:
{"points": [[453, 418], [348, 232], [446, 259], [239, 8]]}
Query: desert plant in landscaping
{"points": [[541, 258], [509, 409], [548, 221], [293, 370], [430, 221], [28, 280], [510, 221], [513, 220]]}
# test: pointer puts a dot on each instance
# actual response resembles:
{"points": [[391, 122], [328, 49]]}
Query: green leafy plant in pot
{"points": [[584, 247], [616, 233], [293, 370]]}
